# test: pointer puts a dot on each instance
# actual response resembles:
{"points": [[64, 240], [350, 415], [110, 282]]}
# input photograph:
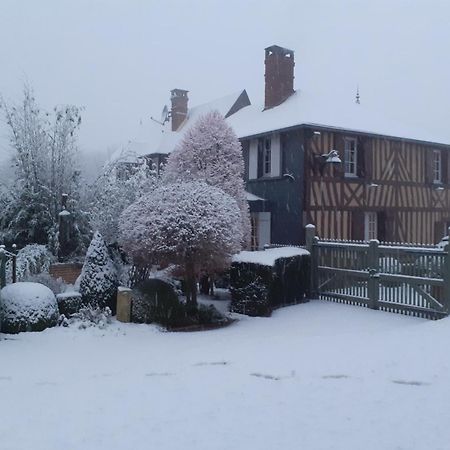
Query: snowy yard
{"points": [[314, 376]]}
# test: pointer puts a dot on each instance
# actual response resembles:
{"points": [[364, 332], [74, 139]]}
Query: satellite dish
{"points": [[165, 116]]}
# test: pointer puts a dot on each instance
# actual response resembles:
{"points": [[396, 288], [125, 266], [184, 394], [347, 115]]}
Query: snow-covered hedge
{"points": [[156, 300], [27, 306], [69, 303], [263, 280]]}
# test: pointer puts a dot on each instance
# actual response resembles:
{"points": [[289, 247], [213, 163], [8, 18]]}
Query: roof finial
{"points": [[357, 95]]}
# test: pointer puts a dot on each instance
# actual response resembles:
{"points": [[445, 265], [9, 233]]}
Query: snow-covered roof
{"points": [[269, 256], [315, 109], [170, 139]]}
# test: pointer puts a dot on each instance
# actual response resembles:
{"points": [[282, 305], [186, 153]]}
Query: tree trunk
{"points": [[191, 284]]}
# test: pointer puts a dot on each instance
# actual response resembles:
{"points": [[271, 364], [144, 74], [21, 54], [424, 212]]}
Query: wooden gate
{"points": [[405, 279]]}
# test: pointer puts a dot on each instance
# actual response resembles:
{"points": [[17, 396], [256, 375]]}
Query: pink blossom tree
{"points": [[211, 152], [190, 224]]}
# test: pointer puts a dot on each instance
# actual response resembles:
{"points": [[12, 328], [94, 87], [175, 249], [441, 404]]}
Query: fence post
{"points": [[446, 276], [123, 313], [14, 263], [373, 283], [2, 266], [310, 240]]}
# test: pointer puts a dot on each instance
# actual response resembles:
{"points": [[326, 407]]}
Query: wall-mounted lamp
{"points": [[373, 185], [332, 157], [438, 188], [317, 133]]}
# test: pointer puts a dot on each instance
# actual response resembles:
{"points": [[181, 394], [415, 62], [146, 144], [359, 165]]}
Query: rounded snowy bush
{"points": [[27, 307], [189, 224], [156, 300]]}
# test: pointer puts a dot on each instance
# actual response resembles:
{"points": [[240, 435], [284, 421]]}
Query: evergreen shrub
{"points": [[256, 289], [156, 301]]}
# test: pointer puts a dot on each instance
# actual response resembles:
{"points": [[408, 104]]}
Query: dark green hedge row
{"points": [[157, 301], [258, 289]]}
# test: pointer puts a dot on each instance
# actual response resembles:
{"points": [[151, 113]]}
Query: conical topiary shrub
{"points": [[98, 284]]}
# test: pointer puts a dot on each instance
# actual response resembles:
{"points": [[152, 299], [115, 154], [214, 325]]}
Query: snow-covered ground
{"points": [[314, 376]]}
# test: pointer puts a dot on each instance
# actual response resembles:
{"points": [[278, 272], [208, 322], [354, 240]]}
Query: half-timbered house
{"points": [[392, 182]]}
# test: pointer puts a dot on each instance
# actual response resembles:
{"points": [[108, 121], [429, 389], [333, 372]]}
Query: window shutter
{"points": [[381, 225], [339, 145], [358, 225], [360, 157], [429, 155], [444, 166], [260, 157], [275, 156], [253, 160], [439, 231]]}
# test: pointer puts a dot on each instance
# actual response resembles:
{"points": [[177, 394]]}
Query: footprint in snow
{"points": [[335, 377], [159, 374], [5, 378], [266, 376], [213, 363], [411, 383]]}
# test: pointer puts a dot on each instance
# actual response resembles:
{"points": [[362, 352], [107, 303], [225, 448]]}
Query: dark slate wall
{"points": [[285, 196]]}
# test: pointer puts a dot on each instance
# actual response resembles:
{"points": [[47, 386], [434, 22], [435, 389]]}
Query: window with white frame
{"points": [[350, 156], [267, 156], [370, 226], [437, 166], [264, 158]]}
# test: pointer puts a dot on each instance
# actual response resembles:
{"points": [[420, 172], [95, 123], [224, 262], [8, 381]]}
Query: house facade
{"points": [[388, 185], [388, 181]]}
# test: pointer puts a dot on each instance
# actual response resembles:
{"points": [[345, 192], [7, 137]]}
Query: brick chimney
{"points": [[179, 99], [279, 77]]}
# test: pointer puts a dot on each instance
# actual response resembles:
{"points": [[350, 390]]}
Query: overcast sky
{"points": [[119, 59]]}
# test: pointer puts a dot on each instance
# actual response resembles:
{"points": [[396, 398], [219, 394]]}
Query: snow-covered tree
{"points": [[191, 224], [98, 281], [120, 184], [45, 166], [211, 152]]}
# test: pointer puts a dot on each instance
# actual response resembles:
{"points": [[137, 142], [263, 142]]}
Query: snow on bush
{"points": [[156, 300], [88, 317], [118, 187], [31, 260], [69, 303], [211, 152], [98, 283], [188, 223], [56, 285], [27, 306]]}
